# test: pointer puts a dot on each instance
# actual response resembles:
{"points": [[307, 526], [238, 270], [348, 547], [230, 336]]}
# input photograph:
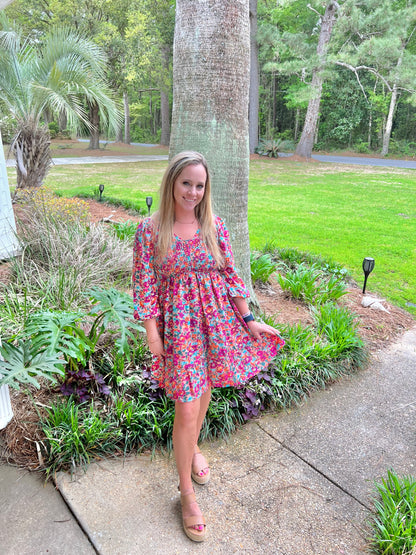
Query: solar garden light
{"points": [[101, 189], [368, 266], [149, 202]]}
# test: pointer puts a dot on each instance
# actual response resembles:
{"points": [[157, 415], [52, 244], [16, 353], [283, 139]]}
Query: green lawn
{"points": [[340, 212]]}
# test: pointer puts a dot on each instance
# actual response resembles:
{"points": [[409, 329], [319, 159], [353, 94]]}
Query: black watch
{"points": [[248, 318]]}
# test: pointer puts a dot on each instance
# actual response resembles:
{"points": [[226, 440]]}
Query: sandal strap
{"points": [[190, 521], [188, 498]]}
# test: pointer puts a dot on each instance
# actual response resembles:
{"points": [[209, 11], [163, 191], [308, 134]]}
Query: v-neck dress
{"points": [[206, 341]]}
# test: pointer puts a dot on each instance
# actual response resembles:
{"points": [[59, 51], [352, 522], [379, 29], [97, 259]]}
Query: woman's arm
{"points": [[256, 328], [154, 340]]}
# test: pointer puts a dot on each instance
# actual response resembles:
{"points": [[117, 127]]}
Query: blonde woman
{"points": [[193, 306]]}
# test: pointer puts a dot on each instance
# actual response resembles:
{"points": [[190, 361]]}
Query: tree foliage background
{"points": [[368, 99]]}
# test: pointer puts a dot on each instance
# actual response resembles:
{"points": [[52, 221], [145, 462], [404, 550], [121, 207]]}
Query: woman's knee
{"points": [[187, 413]]}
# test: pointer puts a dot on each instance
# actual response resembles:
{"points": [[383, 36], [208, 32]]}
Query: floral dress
{"points": [[206, 341]]}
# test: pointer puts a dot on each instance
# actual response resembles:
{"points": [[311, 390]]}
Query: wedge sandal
{"points": [[201, 479], [190, 521]]}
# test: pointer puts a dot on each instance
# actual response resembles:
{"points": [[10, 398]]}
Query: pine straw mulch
{"points": [[21, 442]]}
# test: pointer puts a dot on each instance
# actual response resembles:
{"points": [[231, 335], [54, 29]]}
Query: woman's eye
{"points": [[199, 187]]}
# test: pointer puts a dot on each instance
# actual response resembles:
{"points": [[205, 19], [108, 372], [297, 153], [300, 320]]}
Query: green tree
{"points": [[379, 37], [60, 74], [150, 39]]}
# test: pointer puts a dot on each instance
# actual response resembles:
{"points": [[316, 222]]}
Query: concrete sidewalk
{"points": [[10, 163], [296, 483]]}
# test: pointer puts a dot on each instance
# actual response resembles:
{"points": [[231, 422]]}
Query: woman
{"points": [[193, 306]]}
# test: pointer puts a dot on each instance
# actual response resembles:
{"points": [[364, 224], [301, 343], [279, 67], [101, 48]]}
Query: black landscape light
{"points": [[149, 202], [101, 189], [368, 266]]}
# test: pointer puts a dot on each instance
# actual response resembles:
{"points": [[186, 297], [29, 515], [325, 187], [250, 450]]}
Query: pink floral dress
{"points": [[206, 341]]}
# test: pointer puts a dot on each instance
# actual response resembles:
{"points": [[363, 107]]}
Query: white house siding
{"points": [[8, 242]]}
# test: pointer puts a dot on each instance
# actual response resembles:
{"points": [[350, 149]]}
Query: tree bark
{"points": [[31, 148], [211, 77], [165, 117], [392, 109], [306, 142], [253, 114], [127, 137], [95, 127]]}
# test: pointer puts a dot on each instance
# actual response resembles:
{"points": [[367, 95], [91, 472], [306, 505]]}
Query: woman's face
{"points": [[189, 187]]}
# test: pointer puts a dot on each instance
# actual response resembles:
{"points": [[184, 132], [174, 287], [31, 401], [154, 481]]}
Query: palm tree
{"points": [[61, 73], [211, 76]]}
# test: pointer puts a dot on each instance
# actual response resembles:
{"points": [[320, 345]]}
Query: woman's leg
{"points": [[184, 433], [203, 407], [199, 464]]}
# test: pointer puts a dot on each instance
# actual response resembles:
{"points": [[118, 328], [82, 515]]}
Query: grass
{"points": [[341, 213]]}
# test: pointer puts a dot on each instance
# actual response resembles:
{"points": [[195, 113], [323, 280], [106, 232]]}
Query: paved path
{"points": [[101, 159], [362, 161], [295, 483], [351, 160]]}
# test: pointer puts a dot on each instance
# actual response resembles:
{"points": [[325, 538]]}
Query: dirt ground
{"points": [[21, 442]]}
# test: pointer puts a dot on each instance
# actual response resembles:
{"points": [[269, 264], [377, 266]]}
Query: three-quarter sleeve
{"points": [[145, 284], [235, 285]]}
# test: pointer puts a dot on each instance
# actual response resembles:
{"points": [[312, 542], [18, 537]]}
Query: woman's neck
{"points": [[185, 218]]}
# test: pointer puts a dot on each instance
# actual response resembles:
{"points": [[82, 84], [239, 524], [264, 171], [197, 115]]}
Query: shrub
{"points": [[125, 230], [53, 129], [309, 283], [62, 256], [8, 128], [75, 434], [262, 267], [272, 147], [394, 521], [361, 148]]}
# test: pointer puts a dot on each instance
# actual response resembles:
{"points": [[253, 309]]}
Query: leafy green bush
{"points": [[361, 148], [62, 257], [8, 128], [338, 326], [262, 267], [310, 284], [125, 230], [272, 147], [394, 521], [24, 363], [57, 342], [75, 434], [53, 129]]}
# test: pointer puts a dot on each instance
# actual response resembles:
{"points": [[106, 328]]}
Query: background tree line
{"points": [[331, 75]]}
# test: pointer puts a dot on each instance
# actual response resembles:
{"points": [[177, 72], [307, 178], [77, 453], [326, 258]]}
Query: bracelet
{"points": [[248, 318]]}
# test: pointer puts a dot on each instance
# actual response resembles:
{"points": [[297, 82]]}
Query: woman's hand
{"points": [[256, 328], [155, 344]]}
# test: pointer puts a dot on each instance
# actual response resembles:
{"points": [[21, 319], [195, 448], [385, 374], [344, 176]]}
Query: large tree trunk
{"points": [[164, 97], [389, 122], [31, 148], [211, 76], [127, 137], [392, 109], [95, 127], [253, 113], [306, 142], [165, 116]]}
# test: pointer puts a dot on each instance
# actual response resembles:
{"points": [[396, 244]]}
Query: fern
{"points": [[24, 364]]}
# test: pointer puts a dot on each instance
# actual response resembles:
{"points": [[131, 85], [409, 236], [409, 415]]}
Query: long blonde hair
{"points": [[164, 218]]}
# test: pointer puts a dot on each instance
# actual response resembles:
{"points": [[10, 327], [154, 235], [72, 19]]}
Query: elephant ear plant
{"points": [[62, 344]]}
